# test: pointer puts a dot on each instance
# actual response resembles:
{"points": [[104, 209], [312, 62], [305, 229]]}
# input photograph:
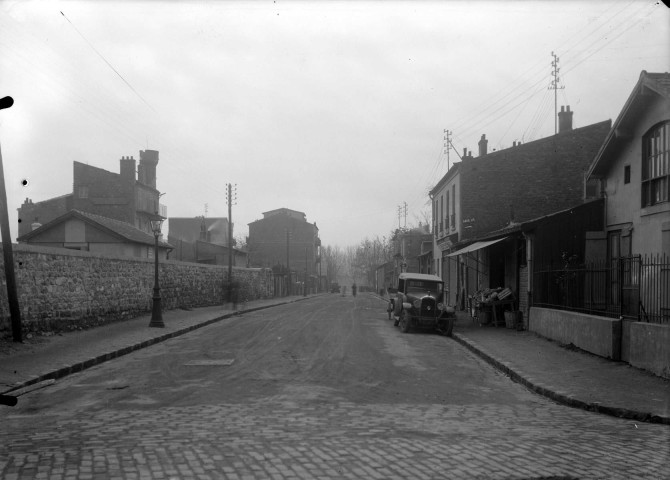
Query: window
{"points": [[441, 212], [446, 219], [656, 165], [626, 174], [83, 191]]}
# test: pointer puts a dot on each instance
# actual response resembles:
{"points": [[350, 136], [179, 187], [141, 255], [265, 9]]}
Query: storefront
{"points": [[487, 277]]}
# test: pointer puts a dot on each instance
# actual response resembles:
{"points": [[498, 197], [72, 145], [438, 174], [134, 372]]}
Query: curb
{"points": [[104, 357], [559, 397]]}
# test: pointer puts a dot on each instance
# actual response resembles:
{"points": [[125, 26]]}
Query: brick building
{"points": [[129, 196], [488, 193], [529, 180], [284, 237], [203, 240]]}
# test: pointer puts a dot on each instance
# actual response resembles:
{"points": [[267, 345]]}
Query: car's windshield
{"points": [[424, 287]]}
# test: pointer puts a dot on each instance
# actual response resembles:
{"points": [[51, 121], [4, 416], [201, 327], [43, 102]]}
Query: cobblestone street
{"points": [[313, 394], [282, 439]]}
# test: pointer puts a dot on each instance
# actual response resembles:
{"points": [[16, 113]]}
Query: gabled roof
{"points": [[118, 228], [649, 88]]}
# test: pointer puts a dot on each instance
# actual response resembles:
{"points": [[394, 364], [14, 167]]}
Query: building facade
{"points": [[285, 241], [204, 240], [129, 196], [84, 231], [632, 172], [494, 190]]}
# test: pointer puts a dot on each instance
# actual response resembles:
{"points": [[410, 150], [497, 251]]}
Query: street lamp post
{"points": [[156, 313]]}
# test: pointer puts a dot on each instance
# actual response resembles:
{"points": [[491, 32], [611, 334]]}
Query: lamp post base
{"points": [[156, 313]]}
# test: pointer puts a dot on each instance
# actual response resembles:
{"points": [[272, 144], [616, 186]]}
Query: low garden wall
{"points": [[598, 335], [642, 345], [650, 347], [67, 289]]}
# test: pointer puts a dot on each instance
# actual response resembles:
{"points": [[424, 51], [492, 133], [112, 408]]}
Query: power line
{"points": [[108, 64]]}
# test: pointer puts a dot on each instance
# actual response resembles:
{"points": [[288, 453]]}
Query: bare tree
{"points": [[334, 260]]}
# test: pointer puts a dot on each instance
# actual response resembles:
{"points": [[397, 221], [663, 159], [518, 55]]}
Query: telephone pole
{"points": [[447, 143], [288, 267], [8, 255], [554, 86], [402, 211], [232, 196]]}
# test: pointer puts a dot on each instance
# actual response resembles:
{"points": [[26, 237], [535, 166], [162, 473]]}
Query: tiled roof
{"points": [[117, 227], [126, 230], [659, 80]]}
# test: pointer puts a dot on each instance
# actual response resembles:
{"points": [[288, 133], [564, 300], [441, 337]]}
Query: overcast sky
{"points": [[335, 109]]}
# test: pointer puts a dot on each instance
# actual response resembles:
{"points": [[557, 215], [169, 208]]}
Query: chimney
{"points": [[564, 120], [148, 162], [127, 169], [483, 144]]}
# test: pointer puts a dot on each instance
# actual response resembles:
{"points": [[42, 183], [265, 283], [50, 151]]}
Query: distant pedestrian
{"points": [[353, 289]]}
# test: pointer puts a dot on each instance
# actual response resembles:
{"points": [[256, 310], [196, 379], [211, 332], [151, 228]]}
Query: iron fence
{"points": [[633, 287]]}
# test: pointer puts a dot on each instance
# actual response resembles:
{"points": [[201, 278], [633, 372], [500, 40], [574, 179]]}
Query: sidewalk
{"points": [[41, 359], [568, 376]]}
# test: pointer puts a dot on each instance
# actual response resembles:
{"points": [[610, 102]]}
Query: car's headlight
{"points": [[417, 304]]}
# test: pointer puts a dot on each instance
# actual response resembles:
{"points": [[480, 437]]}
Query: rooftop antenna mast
{"points": [[554, 86]]}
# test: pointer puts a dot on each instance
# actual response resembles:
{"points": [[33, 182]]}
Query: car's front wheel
{"points": [[404, 322]]}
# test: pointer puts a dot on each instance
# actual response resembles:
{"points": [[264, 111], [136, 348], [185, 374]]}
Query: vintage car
{"points": [[420, 302]]}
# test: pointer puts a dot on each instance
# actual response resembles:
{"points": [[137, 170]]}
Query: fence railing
{"points": [[633, 287]]}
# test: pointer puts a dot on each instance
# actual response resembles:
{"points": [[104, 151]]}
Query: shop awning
{"points": [[475, 246]]}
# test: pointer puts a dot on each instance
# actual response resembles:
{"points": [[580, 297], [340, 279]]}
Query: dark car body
{"points": [[334, 287], [420, 302]]}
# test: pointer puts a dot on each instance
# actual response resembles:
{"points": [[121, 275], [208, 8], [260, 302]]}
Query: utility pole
{"points": [[304, 288], [8, 255], [230, 200], [288, 268], [554, 86], [447, 143], [405, 210]]}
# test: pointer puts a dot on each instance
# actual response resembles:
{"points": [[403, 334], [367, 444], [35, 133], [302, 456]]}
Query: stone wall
{"points": [[63, 290]]}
